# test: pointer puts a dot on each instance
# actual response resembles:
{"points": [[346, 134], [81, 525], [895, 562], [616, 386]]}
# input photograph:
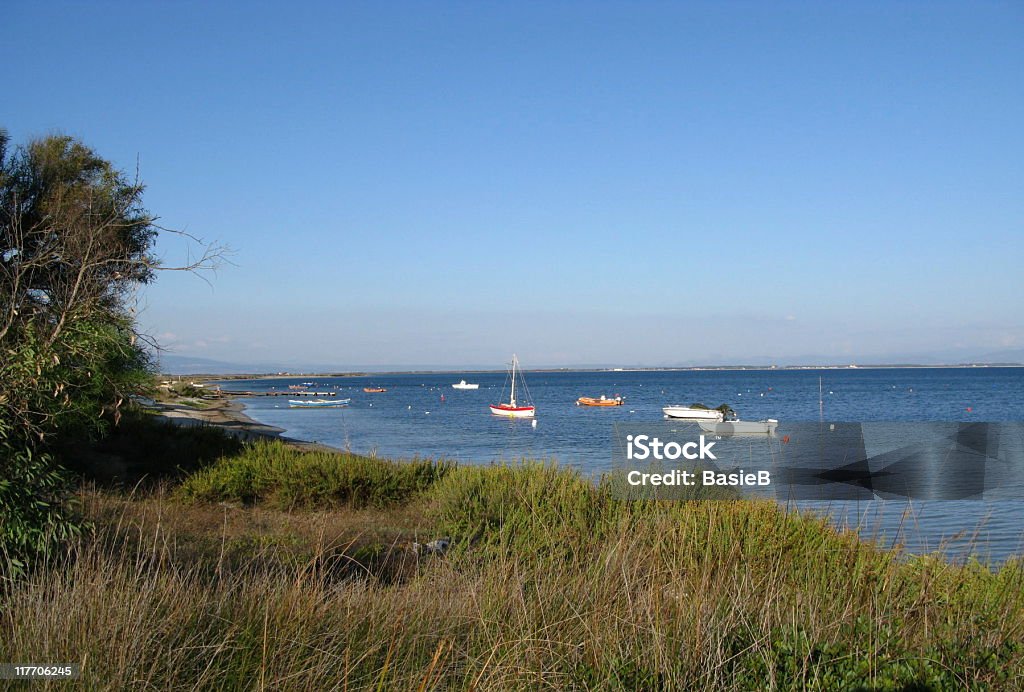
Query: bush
{"points": [[36, 513], [271, 471], [142, 448]]}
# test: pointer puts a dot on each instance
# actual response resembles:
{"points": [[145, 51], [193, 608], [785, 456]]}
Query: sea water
{"points": [[421, 415]]}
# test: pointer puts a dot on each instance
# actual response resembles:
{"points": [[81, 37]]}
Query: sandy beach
{"points": [[226, 414]]}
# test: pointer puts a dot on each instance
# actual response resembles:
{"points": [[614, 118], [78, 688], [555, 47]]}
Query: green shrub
{"points": [[36, 510], [142, 448], [287, 477], [526, 507]]}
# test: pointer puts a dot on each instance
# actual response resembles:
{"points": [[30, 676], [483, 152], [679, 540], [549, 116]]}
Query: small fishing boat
{"points": [[603, 401], [695, 414], [513, 409], [465, 385], [740, 427], [318, 403], [297, 386], [374, 390]]}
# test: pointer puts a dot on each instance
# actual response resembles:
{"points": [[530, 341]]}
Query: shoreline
{"points": [[208, 376], [229, 416]]}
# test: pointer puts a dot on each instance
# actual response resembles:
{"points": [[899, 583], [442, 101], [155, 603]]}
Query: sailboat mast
{"points": [[513, 399]]}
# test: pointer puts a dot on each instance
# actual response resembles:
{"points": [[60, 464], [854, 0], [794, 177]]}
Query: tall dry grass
{"points": [[553, 584]]}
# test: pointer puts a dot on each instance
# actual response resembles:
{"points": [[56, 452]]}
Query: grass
{"points": [[276, 473], [273, 568]]}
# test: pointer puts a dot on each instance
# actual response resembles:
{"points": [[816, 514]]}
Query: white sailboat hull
{"points": [[512, 409], [517, 412]]}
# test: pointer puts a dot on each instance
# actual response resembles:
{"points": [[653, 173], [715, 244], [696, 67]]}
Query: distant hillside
{"points": [[172, 364]]}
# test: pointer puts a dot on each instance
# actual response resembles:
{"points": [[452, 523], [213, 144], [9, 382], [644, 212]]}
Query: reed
{"points": [[287, 477], [552, 582]]}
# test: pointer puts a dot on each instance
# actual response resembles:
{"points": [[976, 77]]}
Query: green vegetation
{"points": [[287, 478], [75, 241], [295, 570], [141, 451]]}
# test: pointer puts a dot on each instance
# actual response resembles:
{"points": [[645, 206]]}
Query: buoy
{"points": [[969, 409]]}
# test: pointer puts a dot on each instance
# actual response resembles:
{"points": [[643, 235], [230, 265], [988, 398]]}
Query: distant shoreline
{"points": [[702, 368]]}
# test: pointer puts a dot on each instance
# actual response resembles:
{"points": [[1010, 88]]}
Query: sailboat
{"points": [[512, 409]]}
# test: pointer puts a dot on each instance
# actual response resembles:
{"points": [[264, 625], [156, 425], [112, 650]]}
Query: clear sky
{"points": [[595, 182]]}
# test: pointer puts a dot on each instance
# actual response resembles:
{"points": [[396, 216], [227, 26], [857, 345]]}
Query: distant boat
{"points": [[696, 414], [465, 385], [374, 390], [740, 427], [603, 401], [297, 386], [512, 409], [318, 403]]}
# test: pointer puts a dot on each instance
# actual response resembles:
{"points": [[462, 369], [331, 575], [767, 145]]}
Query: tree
{"points": [[75, 243]]}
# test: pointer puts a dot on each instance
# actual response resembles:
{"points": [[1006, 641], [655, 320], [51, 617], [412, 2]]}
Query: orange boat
{"points": [[603, 401], [374, 390]]}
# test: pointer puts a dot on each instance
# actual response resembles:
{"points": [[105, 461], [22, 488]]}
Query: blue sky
{"points": [[616, 183]]}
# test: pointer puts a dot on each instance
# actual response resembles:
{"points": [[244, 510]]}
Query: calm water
{"points": [[421, 415]]}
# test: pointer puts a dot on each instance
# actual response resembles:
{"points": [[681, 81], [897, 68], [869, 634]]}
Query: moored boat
{"points": [[465, 385], [318, 403], [374, 390], [602, 401], [740, 427], [513, 409], [695, 414]]}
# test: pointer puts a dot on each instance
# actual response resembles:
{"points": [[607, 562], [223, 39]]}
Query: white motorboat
{"points": [[740, 427], [695, 414], [318, 403], [465, 385]]}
